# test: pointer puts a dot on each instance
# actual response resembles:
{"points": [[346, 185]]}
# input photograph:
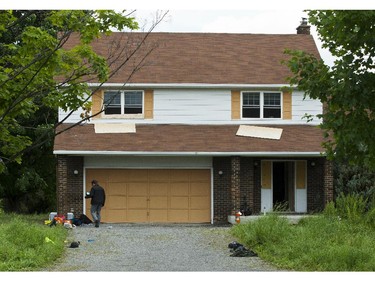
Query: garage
{"points": [[154, 195]]}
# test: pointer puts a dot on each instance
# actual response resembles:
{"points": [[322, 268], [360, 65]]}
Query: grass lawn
{"points": [[319, 243], [27, 244]]}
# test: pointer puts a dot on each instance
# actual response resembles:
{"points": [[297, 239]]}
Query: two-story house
{"points": [[205, 128]]}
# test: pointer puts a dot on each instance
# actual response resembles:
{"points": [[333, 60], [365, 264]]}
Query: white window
{"points": [[261, 105], [123, 102]]}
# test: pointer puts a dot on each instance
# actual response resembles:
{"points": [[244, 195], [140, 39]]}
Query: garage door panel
{"points": [[137, 189], [197, 188], [180, 175], [158, 215], [159, 175], [137, 216], [137, 202], [115, 216], [201, 175], [158, 202], [202, 203], [135, 175], [160, 189], [117, 188], [116, 202], [100, 175], [200, 215], [178, 216], [180, 203], [180, 189], [115, 175]]}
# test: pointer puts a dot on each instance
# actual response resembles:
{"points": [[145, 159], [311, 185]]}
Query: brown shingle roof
{"points": [[188, 138], [213, 58]]}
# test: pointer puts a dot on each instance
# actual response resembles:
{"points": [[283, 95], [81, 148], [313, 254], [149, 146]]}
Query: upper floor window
{"points": [[123, 102], [261, 105]]}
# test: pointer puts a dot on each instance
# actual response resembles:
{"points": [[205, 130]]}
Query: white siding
{"points": [[205, 106], [73, 118], [179, 106], [301, 106]]}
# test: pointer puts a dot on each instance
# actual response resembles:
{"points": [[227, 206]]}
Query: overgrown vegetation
{"points": [[27, 244], [340, 239]]}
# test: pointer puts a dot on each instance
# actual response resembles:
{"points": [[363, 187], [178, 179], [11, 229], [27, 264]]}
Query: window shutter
{"points": [[97, 103], [301, 167], [236, 105], [266, 174], [287, 105], [149, 104]]}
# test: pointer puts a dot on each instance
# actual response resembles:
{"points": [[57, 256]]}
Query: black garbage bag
{"points": [[239, 250]]}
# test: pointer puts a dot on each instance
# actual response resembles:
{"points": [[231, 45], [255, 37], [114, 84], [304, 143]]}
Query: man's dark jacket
{"points": [[97, 195]]}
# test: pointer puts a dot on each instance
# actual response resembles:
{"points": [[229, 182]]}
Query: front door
{"points": [[283, 186]]}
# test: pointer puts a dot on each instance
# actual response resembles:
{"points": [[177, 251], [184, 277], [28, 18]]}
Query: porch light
{"points": [[221, 173], [75, 172], [312, 164]]}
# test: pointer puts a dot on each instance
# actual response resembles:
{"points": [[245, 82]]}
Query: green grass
{"points": [[24, 242], [319, 243]]}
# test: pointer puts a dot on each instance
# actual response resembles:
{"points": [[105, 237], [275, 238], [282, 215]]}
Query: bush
{"points": [[351, 179]]}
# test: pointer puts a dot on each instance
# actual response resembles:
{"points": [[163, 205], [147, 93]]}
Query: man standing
{"points": [[97, 195]]}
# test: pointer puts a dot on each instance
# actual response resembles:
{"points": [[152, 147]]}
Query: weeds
{"points": [[341, 239], [27, 245]]}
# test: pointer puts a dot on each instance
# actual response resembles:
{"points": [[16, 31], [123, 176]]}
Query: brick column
{"points": [[69, 187], [221, 184], [328, 181], [61, 181], [235, 184]]}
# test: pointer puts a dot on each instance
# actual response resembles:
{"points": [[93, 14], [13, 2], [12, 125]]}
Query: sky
{"points": [[221, 16]]}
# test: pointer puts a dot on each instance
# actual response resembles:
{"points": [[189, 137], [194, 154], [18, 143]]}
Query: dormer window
{"points": [[123, 103], [261, 105]]}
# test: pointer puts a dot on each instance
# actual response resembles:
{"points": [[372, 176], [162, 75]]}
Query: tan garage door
{"points": [[169, 196]]}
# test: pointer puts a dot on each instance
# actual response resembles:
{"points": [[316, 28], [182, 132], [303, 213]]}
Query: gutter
{"points": [[189, 86], [193, 153]]}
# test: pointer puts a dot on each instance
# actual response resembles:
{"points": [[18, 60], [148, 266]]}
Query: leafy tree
{"points": [[347, 89], [32, 57], [39, 74]]}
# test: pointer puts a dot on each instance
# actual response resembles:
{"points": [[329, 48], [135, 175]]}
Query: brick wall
{"points": [[69, 187], [221, 185], [235, 184], [247, 183], [328, 181], [315, 184]]}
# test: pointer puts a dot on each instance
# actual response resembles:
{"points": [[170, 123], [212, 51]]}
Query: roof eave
{"points": [[190, 86], [191, 153]]}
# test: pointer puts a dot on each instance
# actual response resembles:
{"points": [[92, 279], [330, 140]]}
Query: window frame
{"points": [[261, 105], [122, 105]]}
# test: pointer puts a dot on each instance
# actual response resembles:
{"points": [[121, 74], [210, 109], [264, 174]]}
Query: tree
{"points": [[38, 74], [347, 89]]}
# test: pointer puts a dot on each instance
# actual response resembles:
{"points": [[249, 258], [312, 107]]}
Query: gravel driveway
{"points": [[137, 247]]}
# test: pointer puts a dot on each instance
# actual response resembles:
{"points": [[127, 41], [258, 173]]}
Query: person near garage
{"points": [[97, 195]]}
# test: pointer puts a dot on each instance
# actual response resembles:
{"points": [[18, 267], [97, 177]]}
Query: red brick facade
{"points": [[228, 198], [236, 185]]}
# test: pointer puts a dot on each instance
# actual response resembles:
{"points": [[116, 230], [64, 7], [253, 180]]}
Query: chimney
{"points": [[304, 28]]}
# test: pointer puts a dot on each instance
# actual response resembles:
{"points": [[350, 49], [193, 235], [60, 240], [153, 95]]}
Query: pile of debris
{"points": [[239, 250]]}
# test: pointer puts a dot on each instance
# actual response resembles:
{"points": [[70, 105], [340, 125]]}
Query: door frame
{"points": [[300, 186]]}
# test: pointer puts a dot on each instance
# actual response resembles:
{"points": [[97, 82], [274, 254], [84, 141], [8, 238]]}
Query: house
{"points": [[204, 128]]}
